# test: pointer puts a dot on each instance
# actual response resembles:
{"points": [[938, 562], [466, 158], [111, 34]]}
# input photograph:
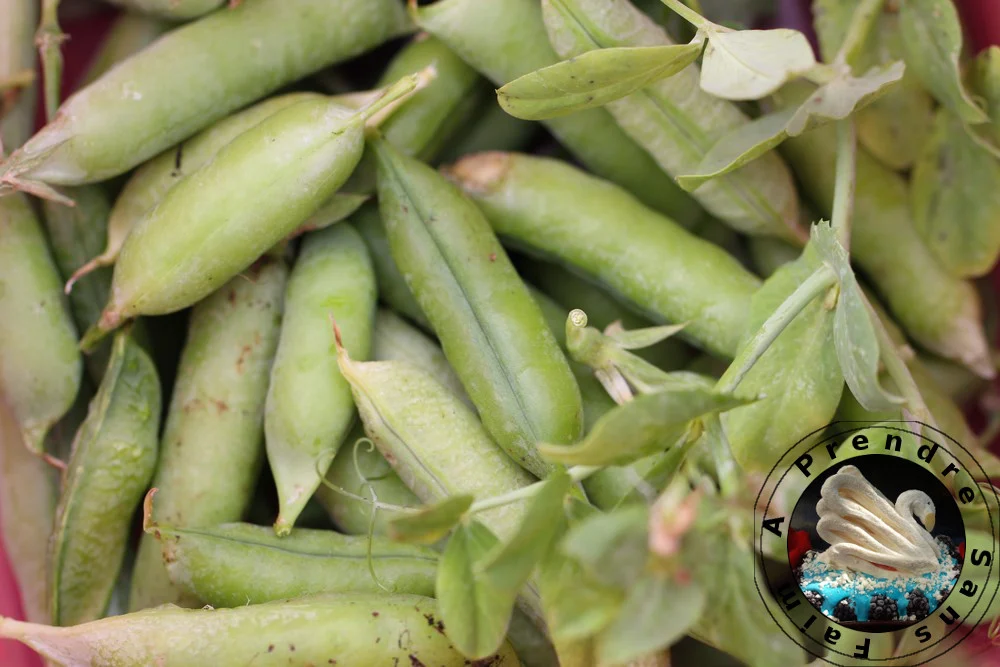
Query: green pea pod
{"points": [[392, 287], [175, 10], [491, 331], [193, 76], [799, 375], [309, 407], [768, 254], [212, 448], [505, 39], [235, 564], [597, 230], [148, 185], [676, 121], [129, 34], [449, 454], [17, 61], [40, 365], [938, 310], [956, 199], [114, 455], [370, 630], [493, 130], [986, 83]]}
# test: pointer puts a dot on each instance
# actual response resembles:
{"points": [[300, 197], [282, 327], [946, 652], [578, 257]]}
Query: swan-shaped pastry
{"points": [[868, 534]]}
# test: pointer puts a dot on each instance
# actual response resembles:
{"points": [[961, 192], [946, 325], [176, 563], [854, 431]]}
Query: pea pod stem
{"points": [[49, 39], [686, 13], [843, 193], [821, 280], [862, 21]]}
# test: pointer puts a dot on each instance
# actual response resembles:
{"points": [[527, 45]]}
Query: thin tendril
{"points": [[353, 496]]}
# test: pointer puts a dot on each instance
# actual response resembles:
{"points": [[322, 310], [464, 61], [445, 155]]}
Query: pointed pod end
{"points": [[110, 320], [480, 173], [148, 525], [282, 528]]}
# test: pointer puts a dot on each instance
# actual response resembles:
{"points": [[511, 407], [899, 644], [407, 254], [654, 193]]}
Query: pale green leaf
{"points": [[636, 339], [932, 45], [656, 613], [645, 425], [576, 606], [613, 547], [751, 64], [853, 331], [430, 523], [592, 79]]}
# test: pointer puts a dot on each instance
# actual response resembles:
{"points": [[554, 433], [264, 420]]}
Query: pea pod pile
{"points": [[358, 332]]}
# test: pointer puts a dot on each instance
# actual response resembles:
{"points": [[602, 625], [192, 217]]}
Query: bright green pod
{"points": [[677, 122], [212, 445], [434, 443], [114, 455], [129, 34], [594, 228], [347, 629], [309, 406], [491, 331], [938, 310], [40, 364], [505, 39], [767, 255], [17, 59], [195, 75], [236, 564], [175, 10]]}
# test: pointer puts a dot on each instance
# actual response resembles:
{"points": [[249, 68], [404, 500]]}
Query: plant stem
{"points": [[821, 280], [686, 13], [49, 39], [843, 191], [857, 32], [576, 473]]}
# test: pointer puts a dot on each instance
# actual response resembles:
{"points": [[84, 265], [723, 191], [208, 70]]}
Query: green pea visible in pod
{"points": [[212, 445], [435, 443], [677, 122], [346, 629], [491, 331], [40, 364], [602, 233], [236, 564], [114, 455], [309, 407], [178, 10], [17, 61], [505, 39], [195, 75]]}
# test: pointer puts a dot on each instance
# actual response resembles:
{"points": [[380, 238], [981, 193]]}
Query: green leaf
{"points": [[636, 339], [592, 79], [932, 45], [656, 613], [834, 101], [430, 523], [475, 614], [645, 425], [576, 606], [613, 547], [751, 64], [510, 565], [853, 331]]}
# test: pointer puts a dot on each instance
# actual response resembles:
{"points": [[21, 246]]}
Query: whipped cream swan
{"points": [[869, 534]]}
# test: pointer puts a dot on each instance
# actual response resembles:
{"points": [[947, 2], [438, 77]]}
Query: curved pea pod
{"points": [[40, 364], [129, 34], [956, 199], [353, 514], [235, 564], [491, 331], [678, 122], [114, 455], [17, 62], [392, 287], [505, 39], [599, 231], [150, 182], [370, 630], [193, 76], [435, 443], [309, 407], [938, 310], [212, 444], [176, 10], [197, 237], [798, 377]]}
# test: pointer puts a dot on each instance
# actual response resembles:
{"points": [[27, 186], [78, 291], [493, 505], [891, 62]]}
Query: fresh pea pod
{"points": [[129, 34], [676, 121], [491, 331], [17, 70], [114, 455], [212, 448], [309, 407], [768, 254], [599, 231], [236, 564], [435, 443], [40, 364], [505, 39], [370, 630], [194, 75], [176, 10]]}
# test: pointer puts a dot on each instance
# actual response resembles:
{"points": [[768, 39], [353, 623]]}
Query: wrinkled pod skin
{"points": [[212, 444], [370, 630]]}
